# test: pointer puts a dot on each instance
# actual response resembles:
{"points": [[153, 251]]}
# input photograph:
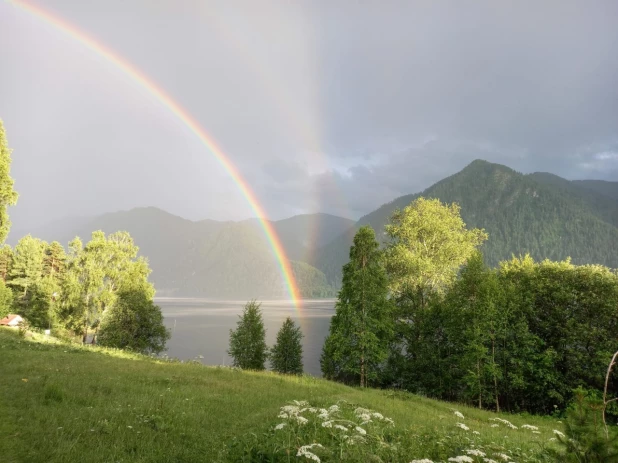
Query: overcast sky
{"points": [[325, 106]]}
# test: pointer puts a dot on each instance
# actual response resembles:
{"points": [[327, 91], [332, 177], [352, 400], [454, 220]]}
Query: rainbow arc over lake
{"points": [[183, 115]]}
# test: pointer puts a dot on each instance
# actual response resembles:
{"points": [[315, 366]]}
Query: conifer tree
{"points": [[361, 328], [286, 355], [27, 267], [248, 342], [8, 196], [54, 261]]}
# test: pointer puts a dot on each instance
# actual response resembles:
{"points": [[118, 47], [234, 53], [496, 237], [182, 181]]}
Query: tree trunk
{"points": [[493, 359], [478, 371], [85, 337]]}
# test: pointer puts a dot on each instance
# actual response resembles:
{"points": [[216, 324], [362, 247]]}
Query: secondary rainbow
{"points": [[167, 101]]}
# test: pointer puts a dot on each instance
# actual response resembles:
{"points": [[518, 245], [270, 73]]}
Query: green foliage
{"points": [[95, 274], [247, 343], [6, 299], [361, 329], [6, 262], [584, 439], [8, 196], [54, 261], [135, 323], [27, 267], [518, 338], [286, 356], [428, 243]]}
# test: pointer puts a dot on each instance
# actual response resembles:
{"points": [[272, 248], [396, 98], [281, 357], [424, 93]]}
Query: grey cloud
{"points": [[322, 106]]}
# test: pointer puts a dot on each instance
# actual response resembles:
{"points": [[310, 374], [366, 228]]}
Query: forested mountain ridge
{"points": [[210, 258], [540, 214]]}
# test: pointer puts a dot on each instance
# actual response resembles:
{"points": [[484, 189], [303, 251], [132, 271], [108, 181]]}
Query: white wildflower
{"points": [[301, 420], [530, 427], [377, 415], [461, 459], [304, 452], [489, 460], [424, 460], [342, 428], [301, 403], [389, 421], [280, 426], [475, 453], [462, 426], [558, 433], [503, 456], [327, 424], [476, 432], [333, 409], [458, 414], [536, 432], [495, 425], [360, 430], [552, 439]]}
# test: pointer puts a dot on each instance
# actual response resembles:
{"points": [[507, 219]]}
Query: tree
{"points": [[27, 267], [286, 356], [428, 244], [6, 261], [247, 343], [8, 196], [54, 261], [6, 299], [95, 274], [361, 328], [134, 323]]}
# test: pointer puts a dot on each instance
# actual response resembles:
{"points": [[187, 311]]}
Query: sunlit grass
{"points": [[67, 403]]}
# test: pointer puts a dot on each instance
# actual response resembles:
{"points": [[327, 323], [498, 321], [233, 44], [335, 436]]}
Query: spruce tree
{"points": [[287, 354], [362, 326], [8, 196], [27, 267], [248, 342]]}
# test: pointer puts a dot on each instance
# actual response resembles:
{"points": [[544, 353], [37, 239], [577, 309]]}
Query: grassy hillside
{"points": [[210, 258], [541, 214], [67, 403]]}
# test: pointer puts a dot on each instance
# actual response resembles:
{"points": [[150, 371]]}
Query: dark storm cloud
{"points": [[322, 106]]}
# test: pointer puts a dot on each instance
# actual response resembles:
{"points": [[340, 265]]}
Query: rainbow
{"points": [[167, 101]]}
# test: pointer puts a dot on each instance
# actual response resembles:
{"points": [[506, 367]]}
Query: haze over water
{"points": [[202, 327]]}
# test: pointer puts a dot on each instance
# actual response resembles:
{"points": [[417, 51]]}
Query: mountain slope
{"points": [[210, 258], [521, 214], [600, 186]]}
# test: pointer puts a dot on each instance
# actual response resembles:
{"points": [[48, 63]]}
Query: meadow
{"points": [[66, 402]]}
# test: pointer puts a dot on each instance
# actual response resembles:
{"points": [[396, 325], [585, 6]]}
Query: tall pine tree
{"points": [[360, 331], [286, 355], [248, 342]]}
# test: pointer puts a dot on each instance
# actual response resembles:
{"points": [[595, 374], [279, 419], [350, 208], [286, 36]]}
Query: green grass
{"points": [[68, 403]]}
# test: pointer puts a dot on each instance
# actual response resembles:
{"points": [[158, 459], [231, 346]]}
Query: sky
{"points": [[322, 106]]}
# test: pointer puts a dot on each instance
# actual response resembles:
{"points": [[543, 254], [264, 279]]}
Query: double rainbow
{"points": [[167, 101]]}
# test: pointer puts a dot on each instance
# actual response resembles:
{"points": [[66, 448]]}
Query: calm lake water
{"points": [[202, 327]]}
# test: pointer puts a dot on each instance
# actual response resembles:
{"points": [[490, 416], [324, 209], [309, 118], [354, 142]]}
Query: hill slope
{"points": [[66, 403], [210, 258], [540, 214]]}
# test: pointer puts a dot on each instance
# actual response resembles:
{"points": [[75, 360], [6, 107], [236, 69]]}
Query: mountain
{"points": [[541, 214], [600, 186], [210, 258]]}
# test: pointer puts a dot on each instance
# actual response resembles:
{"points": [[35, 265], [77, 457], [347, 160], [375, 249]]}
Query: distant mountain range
{"points": [[210, 258], [541, 214]]}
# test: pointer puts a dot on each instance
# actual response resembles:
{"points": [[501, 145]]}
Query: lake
{"points": [[202, 327]]}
